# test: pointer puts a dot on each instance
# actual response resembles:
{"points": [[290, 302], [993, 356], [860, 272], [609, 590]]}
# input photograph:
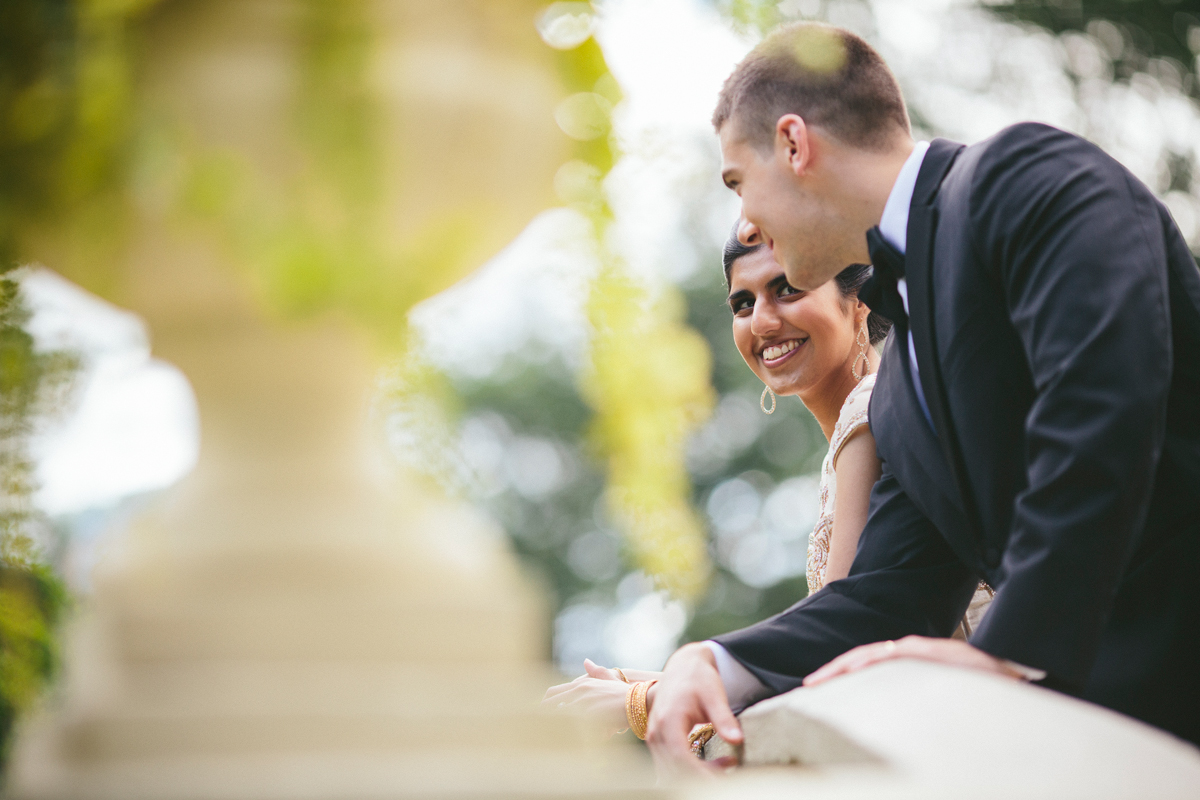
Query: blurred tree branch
{"points": [[1144, 30]]}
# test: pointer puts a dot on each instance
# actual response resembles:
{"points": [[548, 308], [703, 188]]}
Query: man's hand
{"points": [[689, 694], [943, 651]]}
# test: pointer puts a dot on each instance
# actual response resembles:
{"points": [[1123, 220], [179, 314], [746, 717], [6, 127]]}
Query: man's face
{"points": [[792, 218]]}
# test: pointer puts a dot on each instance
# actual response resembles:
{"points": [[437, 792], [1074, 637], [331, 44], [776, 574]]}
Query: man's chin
{"points": [[806, 274]]}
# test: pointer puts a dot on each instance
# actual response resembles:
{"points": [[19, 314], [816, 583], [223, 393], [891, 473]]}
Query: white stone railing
{"points": [[912, 729]]}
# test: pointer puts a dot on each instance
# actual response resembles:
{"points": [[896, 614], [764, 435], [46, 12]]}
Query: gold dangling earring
{"points": [[862, 340], [762, 401]]}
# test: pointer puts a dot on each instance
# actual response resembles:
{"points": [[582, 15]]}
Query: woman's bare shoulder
{"points": [[853, 417]]}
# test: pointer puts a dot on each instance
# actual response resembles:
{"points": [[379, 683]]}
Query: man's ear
{"points": [[792, 143]]}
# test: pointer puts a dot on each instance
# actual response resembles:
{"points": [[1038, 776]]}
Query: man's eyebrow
{"points": [[738, 295]]}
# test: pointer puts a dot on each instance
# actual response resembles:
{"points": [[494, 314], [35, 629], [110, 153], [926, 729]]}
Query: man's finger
{"points": [[670, 746], [830, 670], [722, 719], [862, 656]]}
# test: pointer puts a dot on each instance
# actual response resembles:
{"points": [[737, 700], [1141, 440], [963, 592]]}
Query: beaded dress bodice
{"points": [[850, 419]]}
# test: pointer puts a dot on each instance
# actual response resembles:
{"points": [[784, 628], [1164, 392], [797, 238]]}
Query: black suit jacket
{"points": [[1055, 311]]}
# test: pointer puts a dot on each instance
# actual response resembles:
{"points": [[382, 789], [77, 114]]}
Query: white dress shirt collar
{"points": [[894, 223], [894, 228]]}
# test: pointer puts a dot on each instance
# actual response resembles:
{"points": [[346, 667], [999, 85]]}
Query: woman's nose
{"points": [[763, 320], [748, 233]]}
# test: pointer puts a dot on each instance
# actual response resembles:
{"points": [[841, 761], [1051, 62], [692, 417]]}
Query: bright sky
{"points": [[133, 427], [670, 58]]}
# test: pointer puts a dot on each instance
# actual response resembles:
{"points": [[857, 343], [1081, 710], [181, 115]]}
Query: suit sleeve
{"points": [[1075, 245], [904, 580]]}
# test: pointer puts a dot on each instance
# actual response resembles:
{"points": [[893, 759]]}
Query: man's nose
{"points": [[748, 233]]}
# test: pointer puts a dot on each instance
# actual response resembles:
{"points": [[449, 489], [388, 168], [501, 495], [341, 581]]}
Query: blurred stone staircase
{"points": [[285, 624]]}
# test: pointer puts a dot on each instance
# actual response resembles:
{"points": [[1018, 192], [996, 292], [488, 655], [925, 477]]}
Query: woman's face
{"points": [[794, 341]]}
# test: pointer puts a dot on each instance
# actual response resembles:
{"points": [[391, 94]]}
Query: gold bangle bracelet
{"points": [[620, 675], [635, 707]]}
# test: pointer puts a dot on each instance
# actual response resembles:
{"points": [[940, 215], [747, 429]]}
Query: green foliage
{"points": [[65, 125], [336, 111], [754, 17], [32, 602], [54, 148], [1144, 29], [583, 69], [32, 384], [36, 71], [647, 400], [540, 399]]}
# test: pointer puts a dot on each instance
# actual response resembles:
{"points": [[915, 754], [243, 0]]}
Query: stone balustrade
{"points": [[912, 729]]}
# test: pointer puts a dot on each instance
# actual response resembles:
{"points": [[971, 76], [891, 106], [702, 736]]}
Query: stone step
{"points": [[485, 772], [370, 628], [172, 708], [135, 733], [316, 687]]}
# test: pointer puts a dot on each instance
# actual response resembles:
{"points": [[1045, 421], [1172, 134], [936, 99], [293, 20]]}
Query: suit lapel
{"points": [[910, 448], [918, 267]]}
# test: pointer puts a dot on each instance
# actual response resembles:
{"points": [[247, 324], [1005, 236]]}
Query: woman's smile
{"points": [[775, 354]]}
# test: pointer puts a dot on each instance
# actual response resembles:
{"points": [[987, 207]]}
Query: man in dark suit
{"points": [[1037, 410]]}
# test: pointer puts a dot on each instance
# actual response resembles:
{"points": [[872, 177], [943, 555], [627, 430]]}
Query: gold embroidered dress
{"points": [[850, 419]]}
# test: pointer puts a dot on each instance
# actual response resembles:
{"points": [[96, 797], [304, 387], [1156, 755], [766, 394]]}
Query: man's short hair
{"points": [[828, 76]]}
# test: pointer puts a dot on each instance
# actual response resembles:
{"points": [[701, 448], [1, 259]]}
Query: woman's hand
{"points": [[594, 670], [600, 694]]}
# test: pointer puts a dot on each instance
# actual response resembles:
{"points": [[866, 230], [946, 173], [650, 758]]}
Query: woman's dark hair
{"points": [[849, 281], [734, 249]]}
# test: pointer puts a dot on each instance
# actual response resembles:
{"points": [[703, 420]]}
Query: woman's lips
{"points": [[780, 352]]}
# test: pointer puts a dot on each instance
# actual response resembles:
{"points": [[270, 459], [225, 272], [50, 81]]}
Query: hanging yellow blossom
{"points": [[649, 385]]}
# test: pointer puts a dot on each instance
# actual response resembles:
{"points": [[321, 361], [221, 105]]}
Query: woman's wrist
{"points": [[637, 706]]}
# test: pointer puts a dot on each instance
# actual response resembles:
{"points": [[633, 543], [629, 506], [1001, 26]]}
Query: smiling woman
{"points": [[811, 344], [818, 345]]}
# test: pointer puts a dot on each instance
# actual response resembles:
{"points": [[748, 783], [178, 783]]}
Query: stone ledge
{"points": [[916, 729]]}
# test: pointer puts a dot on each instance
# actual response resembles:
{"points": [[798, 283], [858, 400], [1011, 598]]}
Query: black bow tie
{"points": [[880, 292]]}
